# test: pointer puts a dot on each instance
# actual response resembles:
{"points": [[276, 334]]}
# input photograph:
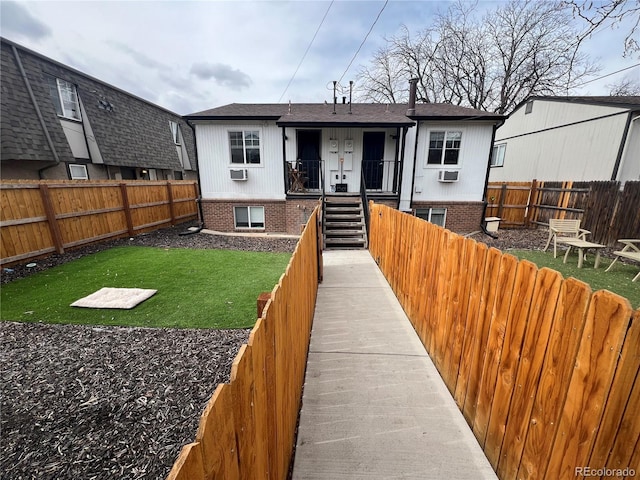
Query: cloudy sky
{"points": [[189, 56]]}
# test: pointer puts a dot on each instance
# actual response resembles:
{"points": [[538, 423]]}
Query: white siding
{"points": [[265, 181], [472, 164], [581, 152]]}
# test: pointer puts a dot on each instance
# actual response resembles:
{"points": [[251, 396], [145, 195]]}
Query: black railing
{"points": [[305, 176], [365, 201], [380, 175]]}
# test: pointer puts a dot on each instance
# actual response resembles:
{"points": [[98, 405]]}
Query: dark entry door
{"points": [[372, 159], [309, 157]]}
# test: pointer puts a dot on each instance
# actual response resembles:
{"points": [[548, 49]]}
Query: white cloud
{"points": [[194, 55]]}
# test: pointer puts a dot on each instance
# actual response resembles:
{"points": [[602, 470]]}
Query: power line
{"points": [[364, 40], [306, 51], [607, 75]]}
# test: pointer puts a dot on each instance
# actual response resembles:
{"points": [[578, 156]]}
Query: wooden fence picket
{"points": [[598, 353], [566, 331]]}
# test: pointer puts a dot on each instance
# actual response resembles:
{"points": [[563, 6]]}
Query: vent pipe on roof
{"points": [[413, 84], [350, 92], [335, 99]]}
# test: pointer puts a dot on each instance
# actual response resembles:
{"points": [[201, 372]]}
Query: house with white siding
{"points": [[264, 167], [569, 138]]}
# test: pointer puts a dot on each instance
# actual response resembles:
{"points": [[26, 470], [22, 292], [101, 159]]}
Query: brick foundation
{"points": [[462, 217], [280, 216]]}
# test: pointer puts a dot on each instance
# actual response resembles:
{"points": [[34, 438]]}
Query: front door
{"points": [[309, 157], [373, 159]]}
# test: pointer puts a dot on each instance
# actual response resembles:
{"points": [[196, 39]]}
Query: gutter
{"points": [[199, 199], [623, 141], [483, 223], [38, 113]]}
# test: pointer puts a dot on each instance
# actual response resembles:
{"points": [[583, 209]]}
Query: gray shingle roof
{"points": [[136, 133], [321, 114]]}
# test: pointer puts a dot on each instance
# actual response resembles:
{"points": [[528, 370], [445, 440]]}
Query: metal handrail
{"points": [[365, 201]]}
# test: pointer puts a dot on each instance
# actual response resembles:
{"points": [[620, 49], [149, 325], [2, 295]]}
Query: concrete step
{"points": [[344, 233]]}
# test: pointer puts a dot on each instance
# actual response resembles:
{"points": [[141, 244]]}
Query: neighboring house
{"points": [[264, 167], [569, 138], [58, 123]]}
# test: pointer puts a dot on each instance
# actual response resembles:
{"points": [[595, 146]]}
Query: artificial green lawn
{"points": [[196, 288], [617, 280]]}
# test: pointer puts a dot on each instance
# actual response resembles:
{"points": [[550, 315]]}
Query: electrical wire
{"points": [[306, 51], [364, 40], [607, 75]]}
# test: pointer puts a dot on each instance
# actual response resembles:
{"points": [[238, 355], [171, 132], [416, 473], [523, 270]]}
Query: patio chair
{"points": [[631, 251], [560, 229]]}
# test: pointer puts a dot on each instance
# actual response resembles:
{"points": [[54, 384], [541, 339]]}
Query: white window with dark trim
{"points": [[245, 147], [248, 217], [78, 172], [175, 132], [65, 98], [497, 155], [433, 215], [444, 147]]}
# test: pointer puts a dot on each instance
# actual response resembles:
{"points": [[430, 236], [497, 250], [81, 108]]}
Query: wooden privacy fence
{"points": [[42, 217], [544, 371], [247, 430], [608, 212]]}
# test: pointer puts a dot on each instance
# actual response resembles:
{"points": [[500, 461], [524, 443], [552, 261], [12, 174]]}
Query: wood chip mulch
{"points": [[104, 402]]}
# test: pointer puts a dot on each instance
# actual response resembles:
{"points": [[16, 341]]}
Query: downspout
{"points": [[483, 223], [284, 160], [199, 199], [401, 173], [38, 113], [415, 161], [623, 141]]}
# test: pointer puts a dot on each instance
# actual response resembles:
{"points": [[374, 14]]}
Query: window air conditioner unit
{"points": [[238, 174], [448, 176]]}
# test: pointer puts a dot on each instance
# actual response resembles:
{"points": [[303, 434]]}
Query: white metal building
{"points": [[569, 138]]}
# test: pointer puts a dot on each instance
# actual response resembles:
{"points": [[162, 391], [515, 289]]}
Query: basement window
{"points": [[65, 98], [249, 217], [78, 172], [437, 216]]}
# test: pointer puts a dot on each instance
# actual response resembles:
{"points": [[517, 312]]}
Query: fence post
{"points": [[532, 201], [51, 218], [170, 197], [127, 208], [503, 194]]}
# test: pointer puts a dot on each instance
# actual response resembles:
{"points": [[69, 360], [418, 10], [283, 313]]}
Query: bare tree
{"points": [[521, 48], [626, 87], [610, 13]]}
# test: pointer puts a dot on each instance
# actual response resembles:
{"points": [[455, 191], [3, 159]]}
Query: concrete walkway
{"points": [[374, 406]]}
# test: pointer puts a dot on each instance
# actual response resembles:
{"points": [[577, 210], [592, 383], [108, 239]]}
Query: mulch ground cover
{"points": [[107, 402]]}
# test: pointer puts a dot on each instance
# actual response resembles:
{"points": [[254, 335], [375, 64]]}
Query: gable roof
{"points": [[357, 114]]}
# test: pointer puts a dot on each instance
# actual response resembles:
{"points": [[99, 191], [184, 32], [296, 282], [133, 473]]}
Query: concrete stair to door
{"points": [[344, 225]]}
